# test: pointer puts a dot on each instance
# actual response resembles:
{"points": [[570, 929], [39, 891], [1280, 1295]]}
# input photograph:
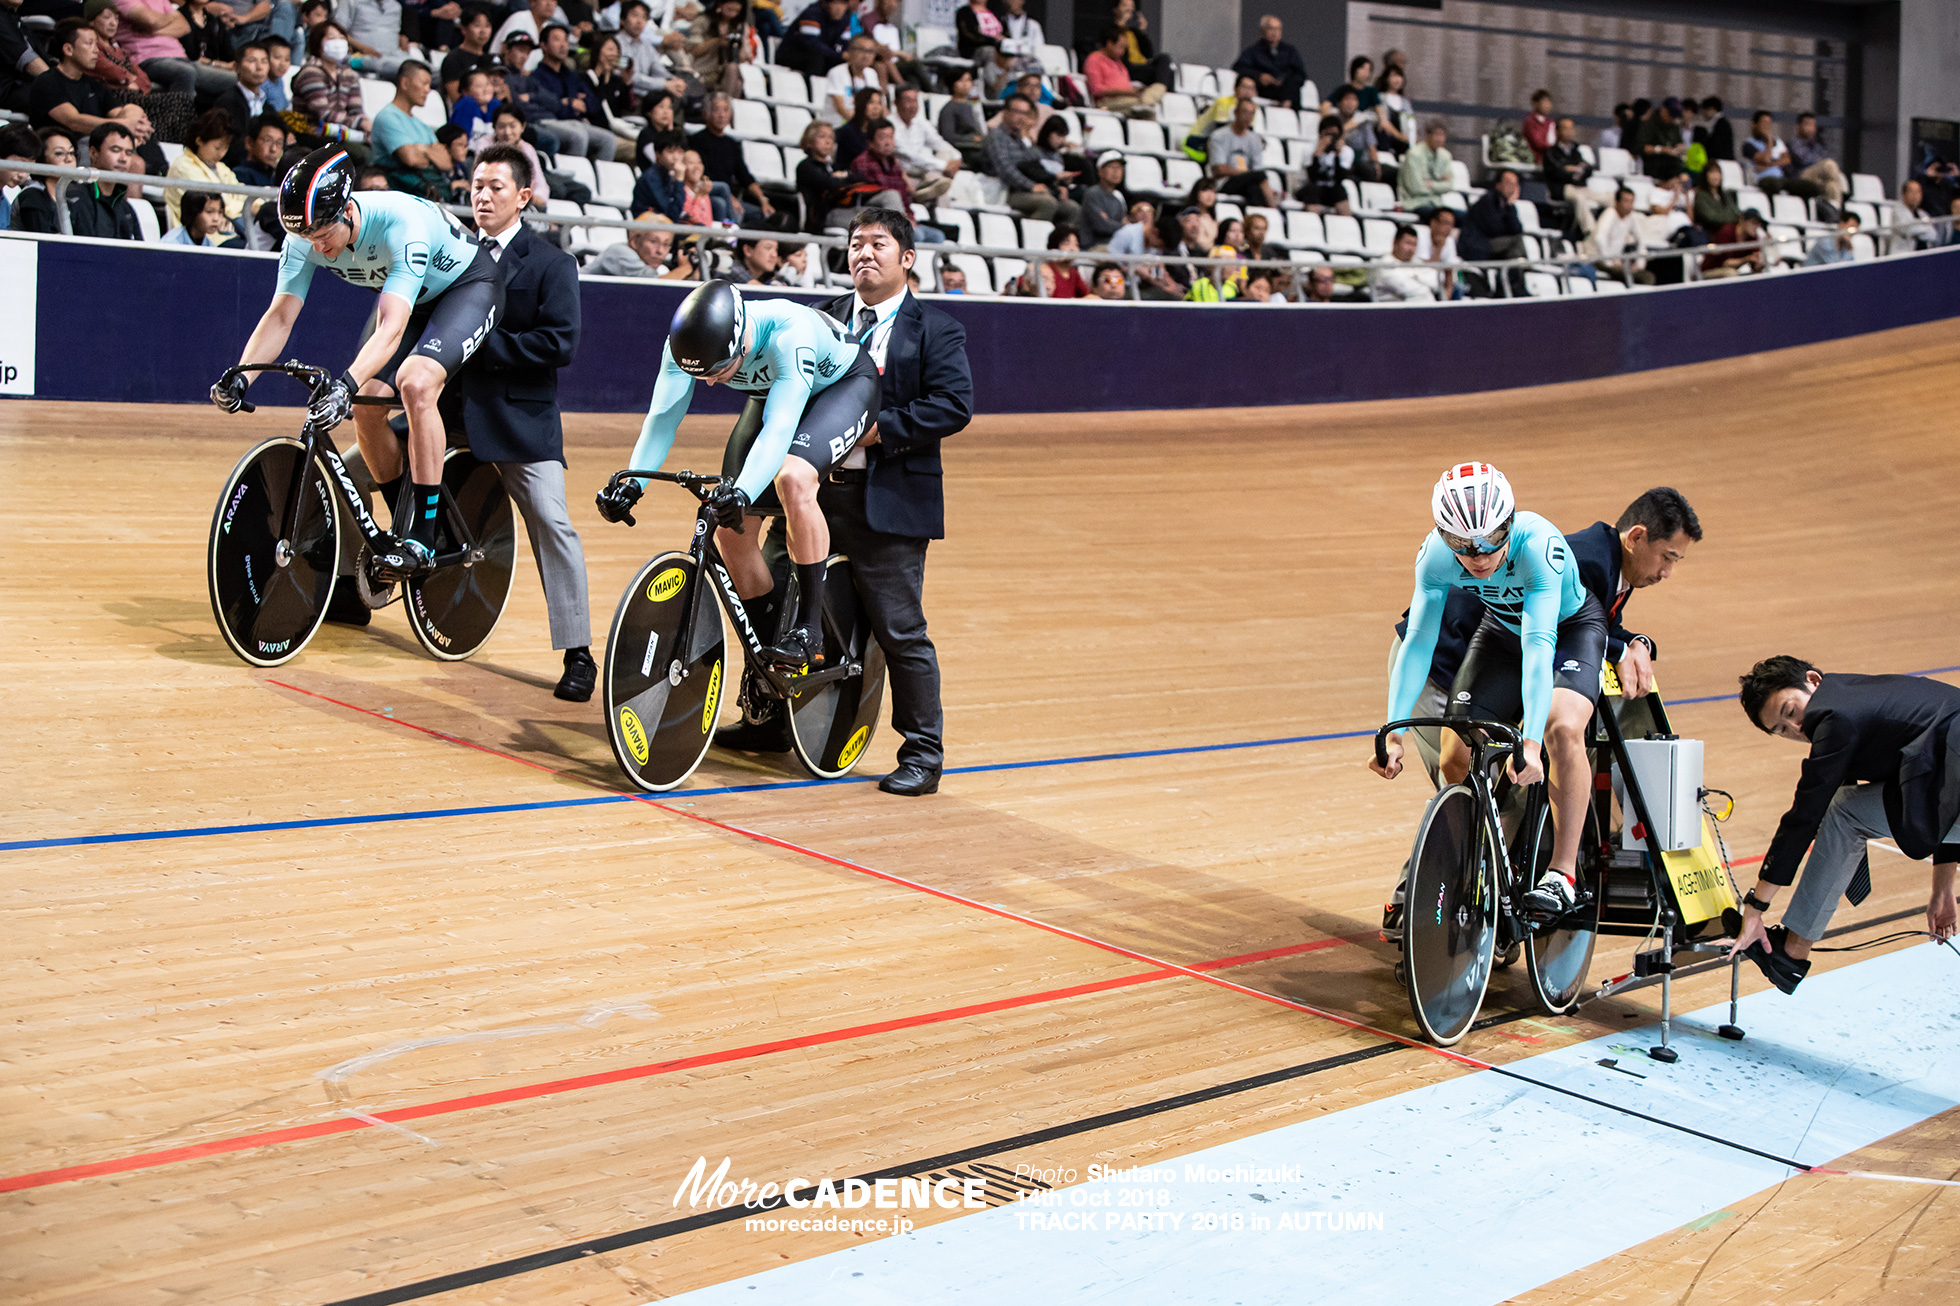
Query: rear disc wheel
{"points": [[454, 609], [1558, 958], [831, 723]]}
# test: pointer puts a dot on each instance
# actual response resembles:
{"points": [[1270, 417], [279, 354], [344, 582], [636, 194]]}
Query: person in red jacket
{"points": [[1540, 126]]}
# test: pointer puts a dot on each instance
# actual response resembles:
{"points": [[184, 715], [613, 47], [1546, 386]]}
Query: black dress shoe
{"points": [[346, 607], [911, 780], [1773, 958], [769, 735], [581, 673]]}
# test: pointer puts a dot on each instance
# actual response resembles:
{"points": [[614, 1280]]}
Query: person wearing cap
{"points": [[1104, 207], [1658, 141], [519, 52], [530, 20]]}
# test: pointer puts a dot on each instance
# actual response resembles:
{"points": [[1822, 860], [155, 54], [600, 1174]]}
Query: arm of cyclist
{"points": [[1418, 650], [1538, 643], [391, 319]]}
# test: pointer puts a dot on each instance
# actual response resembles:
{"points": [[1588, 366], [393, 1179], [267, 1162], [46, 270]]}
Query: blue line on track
{"points": [[262, 827]]}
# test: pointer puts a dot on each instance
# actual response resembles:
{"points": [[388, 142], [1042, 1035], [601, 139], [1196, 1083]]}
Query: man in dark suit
{"points": [[1884, 763], [886, 503], [1275, 65], [1492, 230], [506, 400]]}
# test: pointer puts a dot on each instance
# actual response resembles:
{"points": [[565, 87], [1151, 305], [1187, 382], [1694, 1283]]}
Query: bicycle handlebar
{"points": [[695, 482], [1509, 738]]}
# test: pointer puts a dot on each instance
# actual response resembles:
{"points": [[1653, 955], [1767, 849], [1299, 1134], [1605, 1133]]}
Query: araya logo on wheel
{"points": [[634, 734], [854, 748], [667, 584], [714, 698]]}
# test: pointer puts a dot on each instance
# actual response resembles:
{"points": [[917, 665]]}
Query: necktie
{"points": [[867, 319], [496, 250]]}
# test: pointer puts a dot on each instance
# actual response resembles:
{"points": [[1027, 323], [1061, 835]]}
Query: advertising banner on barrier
{"points": [[20, 273]]}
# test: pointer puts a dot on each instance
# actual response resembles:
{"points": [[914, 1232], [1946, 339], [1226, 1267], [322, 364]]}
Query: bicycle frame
{"points": [[707, 558], [1490, 744], [319, 442]]}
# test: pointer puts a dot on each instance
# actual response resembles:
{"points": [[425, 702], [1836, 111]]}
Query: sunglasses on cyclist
{"points": [[1478, 546]]}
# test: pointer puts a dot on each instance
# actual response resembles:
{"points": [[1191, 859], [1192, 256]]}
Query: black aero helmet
{"points": [[706, 332], [315, 192]]}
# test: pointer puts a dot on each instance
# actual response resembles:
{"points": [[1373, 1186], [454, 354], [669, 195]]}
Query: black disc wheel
{"points": [[831, 721], [1449, 926], [454, 609], [1560, 953], [268, 593], [662, 699]]}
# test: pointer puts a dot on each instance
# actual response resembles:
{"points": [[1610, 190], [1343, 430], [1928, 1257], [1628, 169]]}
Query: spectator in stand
{"points": [[1428, 172], [528, 17], [854, 137], [1197, 235], [1036, 92], [815, 41], [1715, 209], [978, 33], [1361, 69], [404, 145], [960, 121], [1063, 164], [1203, 196], [476, 109], [1715, 133], [1059, 279], [1540, 127], [374, 31], [33, 208], [1436, 237], [1836, 248], [372, 178], [565, 97], [325, 89], [1914, 217], [199, 219], [1566, 172], [663, 114], [17, 144], [94, 211], [455, 143], [1617, 237], [880, 168], [508, 129], [1358, 132], [254, 20], [124, 82], [797, 269], [1197, 139], [858, 72], [722, 155], [930, 163], [1109, 282], [699, 207], [823, 185], [1737, 262], [1690, 110], [1394, 115], [644, 253], [660, 187], [1619, 135], [66, 96], [248, 98], [1492, 229], [20, 61], [203, 162], [612, 88], [952, 281], [265, 144], [720, 43], [1330, 164], [1320, 285], [1013, 159], [1140, 236], [1147, 67], [1401, 280], [756, 262], [1104, 207], [1231, 233], [279, 52], [1257, 232], [1814, 163], [1658, 141], [640, 50], [1111, 85], [1238, 158], [1939, 177], [1276, 68], [149, 30], [1770, 158], [471, 51], [1952, 228]]}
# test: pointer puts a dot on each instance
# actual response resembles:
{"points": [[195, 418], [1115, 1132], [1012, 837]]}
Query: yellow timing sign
{"points": [[1701, 886]]}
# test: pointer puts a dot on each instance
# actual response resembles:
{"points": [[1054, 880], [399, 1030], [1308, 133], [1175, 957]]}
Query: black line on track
{"points": [[708, 1219]]}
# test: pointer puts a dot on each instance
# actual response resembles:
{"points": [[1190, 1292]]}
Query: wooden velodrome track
{"points": [[1112, 583]]}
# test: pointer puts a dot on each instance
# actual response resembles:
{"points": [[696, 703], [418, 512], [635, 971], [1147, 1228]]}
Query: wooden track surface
{"points": [[1111, 583]]}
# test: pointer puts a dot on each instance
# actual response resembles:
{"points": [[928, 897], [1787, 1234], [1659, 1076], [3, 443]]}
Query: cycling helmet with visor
{"points": [[1474, 507], [314, 194], [706, 333]]}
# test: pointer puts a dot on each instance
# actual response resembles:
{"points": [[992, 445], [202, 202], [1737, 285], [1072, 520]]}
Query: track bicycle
{"points": [[666, 661], [1463, 905], [276, 542]]}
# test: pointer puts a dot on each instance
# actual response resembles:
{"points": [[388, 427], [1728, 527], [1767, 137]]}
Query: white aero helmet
{"points": [[1474, 506]]}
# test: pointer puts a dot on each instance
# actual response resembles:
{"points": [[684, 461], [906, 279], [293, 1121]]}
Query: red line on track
{"points": [[325, 1128]]}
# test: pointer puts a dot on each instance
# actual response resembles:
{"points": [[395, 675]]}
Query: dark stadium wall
{"points": [[159, 325]]}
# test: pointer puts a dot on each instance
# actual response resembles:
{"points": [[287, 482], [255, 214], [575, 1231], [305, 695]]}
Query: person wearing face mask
{"points": [[327, 91]]}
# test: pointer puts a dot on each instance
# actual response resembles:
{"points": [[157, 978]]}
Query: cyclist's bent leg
{"points": [[1576, 661], [742, 551], [831, 427]]}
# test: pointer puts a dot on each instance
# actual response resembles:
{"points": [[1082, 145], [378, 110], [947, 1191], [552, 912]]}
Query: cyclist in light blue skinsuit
{"points": [[439, 297], [812, 394], [1535, 658]]}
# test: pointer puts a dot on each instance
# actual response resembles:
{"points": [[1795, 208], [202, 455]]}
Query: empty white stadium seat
{"points": [[1177, 110], [927, 269], [998, 230], [1615, 162], [1867, 213], [1377, 236], [932, 38], [755, 82], [752, 119], [1055, 60], [1609, 286], [1102, 131], [1732, 177], [1601, 184], [790, 122], [1145, 135], [1378, 196], [375, 96], [1191, 78], [788, 84], [1006, 269], [1283, 122], [171, 149], [1343, 233], [1142, 173], [146, 219], [1863, 247], [1789, 208], [791, 157], [1528, 215], [1748, 197], [579, 170], [599, 237], [1304, 228], [959, 220], [1580, 286], [1181, 174], [764, 160], [1459, 175], [1035, 233], [1864, 186], [615, 183], [1310, 95], [1586, 153], [931, 103], [1541, 285], [1227, 209]]}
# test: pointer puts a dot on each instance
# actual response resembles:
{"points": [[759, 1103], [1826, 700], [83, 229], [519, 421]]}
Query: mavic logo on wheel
{"points": [[853, 748], [634, 734], [714, 699], [667, 584]]}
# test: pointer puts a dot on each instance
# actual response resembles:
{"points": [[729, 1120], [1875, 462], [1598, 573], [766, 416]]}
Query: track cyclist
{"points": [[439, 297], [812, 394], [1535, 657]]}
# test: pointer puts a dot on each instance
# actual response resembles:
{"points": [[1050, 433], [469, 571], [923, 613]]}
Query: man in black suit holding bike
{"points": [[885, 503]]}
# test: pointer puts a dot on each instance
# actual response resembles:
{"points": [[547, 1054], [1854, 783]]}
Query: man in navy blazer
{"points": [[886, 502], [506, 400]]}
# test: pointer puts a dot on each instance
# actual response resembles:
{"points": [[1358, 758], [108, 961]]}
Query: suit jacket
{"points": [[927, 396], [1490, 217], [1899, 731], [506, 396]]}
